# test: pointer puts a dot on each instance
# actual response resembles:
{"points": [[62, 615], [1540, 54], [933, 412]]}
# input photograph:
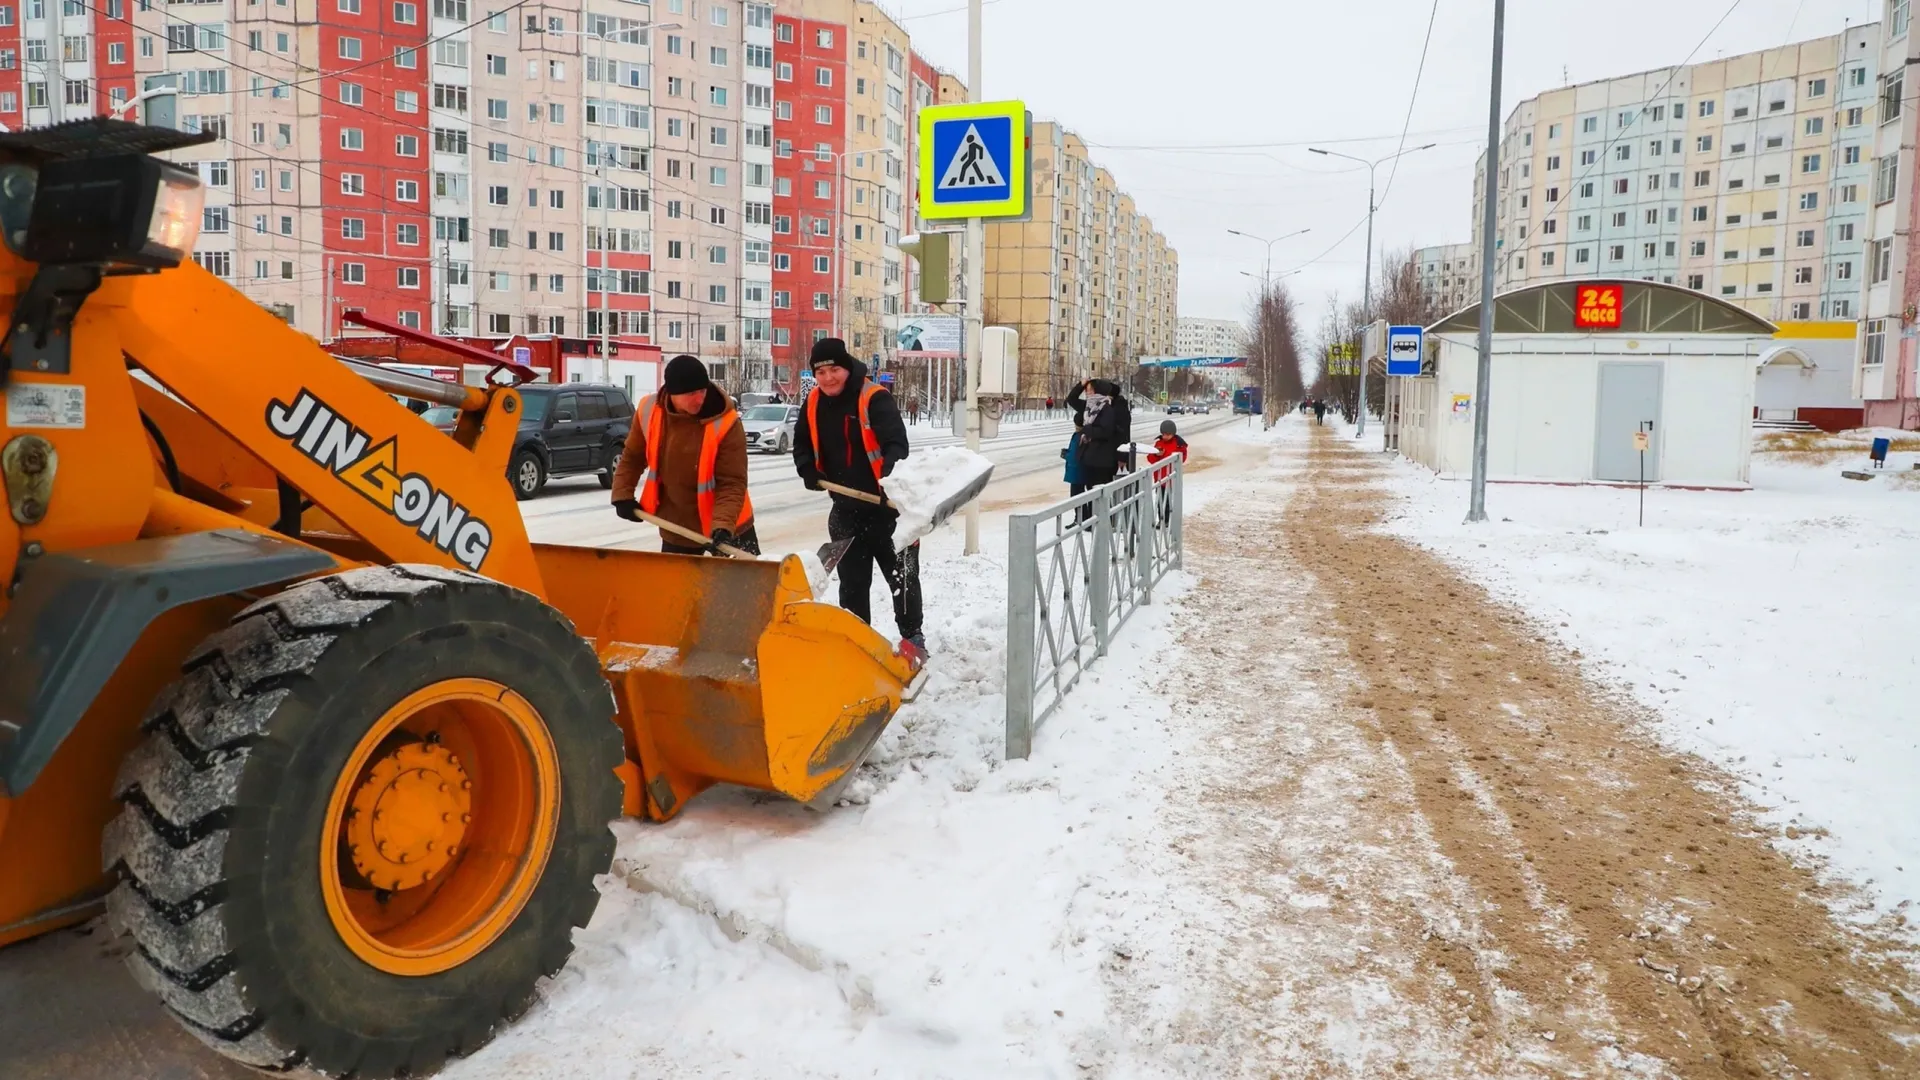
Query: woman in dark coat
{"points": [[1105, 422]]}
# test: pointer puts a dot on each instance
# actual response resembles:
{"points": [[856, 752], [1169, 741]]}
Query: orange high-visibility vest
{"points": [[868, 439], [654, 420]]}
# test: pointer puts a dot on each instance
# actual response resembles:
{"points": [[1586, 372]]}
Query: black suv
{"points": [[566, 429]]}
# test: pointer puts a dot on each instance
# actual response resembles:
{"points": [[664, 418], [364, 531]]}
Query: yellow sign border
{"points": [[1020, 188]]}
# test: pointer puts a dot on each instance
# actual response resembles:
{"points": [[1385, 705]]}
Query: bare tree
{"points": [[1273, 360]]}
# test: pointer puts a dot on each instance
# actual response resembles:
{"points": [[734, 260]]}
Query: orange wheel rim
{"points": [[439, 826]]}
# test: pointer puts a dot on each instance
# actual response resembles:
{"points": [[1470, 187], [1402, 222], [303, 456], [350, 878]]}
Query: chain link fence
{"points": [[1075, 572]]}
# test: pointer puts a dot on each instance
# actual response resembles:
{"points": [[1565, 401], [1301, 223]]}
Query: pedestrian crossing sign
{"points": [[974, 160]]}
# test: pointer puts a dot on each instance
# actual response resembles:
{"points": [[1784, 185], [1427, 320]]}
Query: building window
{"points": [[1696, 282], [820, 264], [1880, 261], [1886, 178], [823, 76], [1810, 163]]}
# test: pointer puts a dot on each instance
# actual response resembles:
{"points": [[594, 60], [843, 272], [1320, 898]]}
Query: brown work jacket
{"points": [[680, 466]]}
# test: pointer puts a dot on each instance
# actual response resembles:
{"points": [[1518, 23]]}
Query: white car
{"points": [[770, 427]]}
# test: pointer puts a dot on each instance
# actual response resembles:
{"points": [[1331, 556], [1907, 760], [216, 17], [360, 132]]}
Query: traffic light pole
{"points": [[976, 286]]}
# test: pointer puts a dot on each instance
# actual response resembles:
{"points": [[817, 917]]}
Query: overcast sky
{"points": [[1149, 80]]}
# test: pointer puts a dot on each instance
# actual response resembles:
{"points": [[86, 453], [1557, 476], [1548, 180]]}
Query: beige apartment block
{"points": [[699, 239], [1449, 276], [1745, 178], [1088, 283]]}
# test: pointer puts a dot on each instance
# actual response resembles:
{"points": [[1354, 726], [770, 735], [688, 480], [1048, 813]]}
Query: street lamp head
{"points": [[1315, 150]]}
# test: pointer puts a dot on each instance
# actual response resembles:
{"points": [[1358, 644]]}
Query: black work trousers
{"points": [[872, 534]]}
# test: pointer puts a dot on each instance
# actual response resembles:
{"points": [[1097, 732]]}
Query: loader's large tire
{"points": [[244, 921]]}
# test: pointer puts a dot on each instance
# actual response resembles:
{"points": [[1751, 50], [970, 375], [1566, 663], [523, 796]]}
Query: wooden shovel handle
{"points": [[855, 493], [705, 541]]}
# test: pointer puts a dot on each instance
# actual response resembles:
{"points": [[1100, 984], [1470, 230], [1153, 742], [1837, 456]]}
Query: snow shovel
{"points": [[728, 550], [832, 553]]}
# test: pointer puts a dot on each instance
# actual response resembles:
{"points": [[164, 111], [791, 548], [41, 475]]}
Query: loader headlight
{"points": [[126, 210]]}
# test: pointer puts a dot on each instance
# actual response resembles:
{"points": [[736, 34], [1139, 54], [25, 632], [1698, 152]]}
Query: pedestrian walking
{"points": [[1165, 446], [685, 461], [1319, 412], [1102, 422], [852, 436], [913, 410], [1105, 422], [1071, 455]]}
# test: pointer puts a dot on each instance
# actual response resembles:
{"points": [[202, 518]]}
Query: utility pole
{"points": [[1477, 504], [976, 285], [1366, 295], [326, 311], [606, 216]]}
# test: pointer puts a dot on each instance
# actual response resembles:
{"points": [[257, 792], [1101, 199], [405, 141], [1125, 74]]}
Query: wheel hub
{"points": [[409, 816]]}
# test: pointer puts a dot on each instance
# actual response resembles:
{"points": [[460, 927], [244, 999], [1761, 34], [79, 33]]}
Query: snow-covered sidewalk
{"points": [[1769, 631], [954, 920], [1325, 810]]}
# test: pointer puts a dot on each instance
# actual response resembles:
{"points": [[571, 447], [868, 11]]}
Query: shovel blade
{"points": [[832, 552]]}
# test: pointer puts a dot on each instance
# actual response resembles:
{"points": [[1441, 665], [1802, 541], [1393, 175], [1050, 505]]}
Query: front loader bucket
{"points": [[726, 671]]}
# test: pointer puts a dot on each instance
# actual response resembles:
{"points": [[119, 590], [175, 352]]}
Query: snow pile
{"points": [[918, 485], [950, 919], [818, 576], [1769, 631]]}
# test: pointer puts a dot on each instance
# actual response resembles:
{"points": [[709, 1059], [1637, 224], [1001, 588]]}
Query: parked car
{"points": [[566, 429], [770, 427]]}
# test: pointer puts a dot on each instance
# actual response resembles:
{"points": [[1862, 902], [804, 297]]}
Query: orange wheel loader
{"points": [[284, 686]]}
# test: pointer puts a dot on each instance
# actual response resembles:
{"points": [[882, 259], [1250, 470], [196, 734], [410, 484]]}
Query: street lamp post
{"points": [[606, 201], [1266, 283], [1366, 296]]}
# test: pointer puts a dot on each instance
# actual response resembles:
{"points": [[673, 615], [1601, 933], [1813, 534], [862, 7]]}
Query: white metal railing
{"points": [[1075, 572]]}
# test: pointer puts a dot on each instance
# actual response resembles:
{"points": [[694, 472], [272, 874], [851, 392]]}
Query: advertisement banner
{"points": [[935, 337]]}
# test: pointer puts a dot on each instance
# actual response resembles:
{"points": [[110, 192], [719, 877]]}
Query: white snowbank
{"points": [[918, 485], [949, 919], [1770, 631]]}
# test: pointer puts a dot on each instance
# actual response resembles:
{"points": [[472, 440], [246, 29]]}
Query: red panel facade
{"points": [[369, 221]]}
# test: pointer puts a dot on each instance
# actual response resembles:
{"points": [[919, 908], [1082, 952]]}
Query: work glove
{"points": [[723, 538], [811, 478], [627, 508]]}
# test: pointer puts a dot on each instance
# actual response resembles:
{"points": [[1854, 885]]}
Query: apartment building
{"points": [[1744, 177], [1449, 275], [1884, 370], [844, 83], [1209, 337], [698, 179], [1087, 282]]}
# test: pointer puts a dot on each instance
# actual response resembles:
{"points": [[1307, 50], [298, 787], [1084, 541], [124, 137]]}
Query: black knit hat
{"points": [[685, 374], [831, 351], [1167, 428]]}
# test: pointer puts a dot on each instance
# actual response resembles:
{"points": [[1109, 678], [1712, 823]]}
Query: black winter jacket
{"points": [[1101, 435], [843, 459]]}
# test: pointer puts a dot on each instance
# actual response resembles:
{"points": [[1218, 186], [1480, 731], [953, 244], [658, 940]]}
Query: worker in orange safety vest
{"points": [[685, 461], [851, 434]]}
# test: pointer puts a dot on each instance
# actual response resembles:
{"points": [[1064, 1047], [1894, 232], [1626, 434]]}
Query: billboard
{"points": [[930, 336], [1598, 308]]}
